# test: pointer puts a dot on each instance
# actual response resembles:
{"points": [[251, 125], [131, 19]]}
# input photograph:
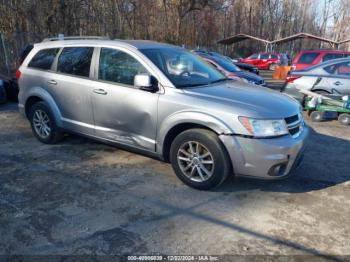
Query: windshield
{"points": [[183, 68], [227, 65]]}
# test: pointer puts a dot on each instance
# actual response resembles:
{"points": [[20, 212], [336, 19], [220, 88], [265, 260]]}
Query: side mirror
{"points": [[146, 82]]}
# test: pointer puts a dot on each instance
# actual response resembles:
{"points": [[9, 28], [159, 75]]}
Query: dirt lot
{"points": [[83, 197]]}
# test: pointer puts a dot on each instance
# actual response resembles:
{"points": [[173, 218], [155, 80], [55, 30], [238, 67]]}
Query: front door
{"points": [[123, 113]]}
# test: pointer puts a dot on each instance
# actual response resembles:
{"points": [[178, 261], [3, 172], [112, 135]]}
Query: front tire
{"points": [[199, 159], [43, 124]]}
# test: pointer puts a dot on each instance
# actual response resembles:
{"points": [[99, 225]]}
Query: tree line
{"points": [[192, 23]]}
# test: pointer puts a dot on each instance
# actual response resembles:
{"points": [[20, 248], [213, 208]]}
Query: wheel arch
{"points": [[174, 125], [37, 95], [321, 89]]}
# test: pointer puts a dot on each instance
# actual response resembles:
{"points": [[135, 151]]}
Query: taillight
{"points": [[290, 79], [18, 74]]}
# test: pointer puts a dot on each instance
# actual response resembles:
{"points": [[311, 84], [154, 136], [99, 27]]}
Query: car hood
{"points": [[250, 76], [246, 100], [246, 65]]}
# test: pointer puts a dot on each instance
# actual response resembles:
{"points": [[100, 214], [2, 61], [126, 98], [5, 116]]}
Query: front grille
{"points": [[294, 125], [292, 119], [294, 130]]}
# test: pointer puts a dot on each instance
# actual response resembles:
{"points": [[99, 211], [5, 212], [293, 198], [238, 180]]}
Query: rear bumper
{"points": [[272, 158]]}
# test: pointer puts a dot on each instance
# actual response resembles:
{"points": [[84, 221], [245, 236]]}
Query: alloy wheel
{"points": [[41, 123], [196, 161]]}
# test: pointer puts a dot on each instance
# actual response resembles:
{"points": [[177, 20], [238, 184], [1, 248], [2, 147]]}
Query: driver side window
{"points": [[118, 67], [339, 69]]}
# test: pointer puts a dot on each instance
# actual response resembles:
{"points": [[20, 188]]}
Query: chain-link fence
{"points": [[11, 46]]}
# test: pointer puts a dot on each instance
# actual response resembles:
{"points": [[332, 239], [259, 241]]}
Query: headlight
{"points": [[264, 128]]}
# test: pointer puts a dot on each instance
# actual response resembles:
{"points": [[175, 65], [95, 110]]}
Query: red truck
{"points": [[265, 61], [307, 58]]}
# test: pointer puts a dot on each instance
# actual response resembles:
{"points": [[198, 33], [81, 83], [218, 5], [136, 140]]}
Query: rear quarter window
{"points": [[25, 52], [308, 58], [75, 61], [43, 59]]}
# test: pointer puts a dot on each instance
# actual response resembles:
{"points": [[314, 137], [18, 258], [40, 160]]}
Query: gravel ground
{"points": [[84, 197]]}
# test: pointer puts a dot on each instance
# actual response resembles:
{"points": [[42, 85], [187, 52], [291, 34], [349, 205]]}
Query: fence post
{"points": [[5, 54]]}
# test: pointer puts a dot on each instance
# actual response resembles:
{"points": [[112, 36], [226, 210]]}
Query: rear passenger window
{"points": [[75, 61], [331, 56], [274, 56], [307, 58], [119, 67], [43, 59]]}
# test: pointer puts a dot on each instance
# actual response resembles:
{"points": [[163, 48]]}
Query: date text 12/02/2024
{"points": [[173, 258]]}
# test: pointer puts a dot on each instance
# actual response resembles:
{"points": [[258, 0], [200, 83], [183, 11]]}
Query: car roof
{"points": [[268, 53], [329, 62], [137, 44], [323, 51]]}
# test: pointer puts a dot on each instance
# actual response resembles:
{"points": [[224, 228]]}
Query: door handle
{"points": [[338, 83], [52, 82], [100, 91]]}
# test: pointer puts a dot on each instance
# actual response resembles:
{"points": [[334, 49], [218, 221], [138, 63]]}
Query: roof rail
{"points": [[75, 38]]}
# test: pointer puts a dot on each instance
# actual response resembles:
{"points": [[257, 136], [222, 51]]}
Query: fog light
{"points": [[277, 170]]}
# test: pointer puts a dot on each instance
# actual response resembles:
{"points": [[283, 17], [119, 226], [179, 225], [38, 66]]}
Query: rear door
{"points": [[122, 112], [71, 88], [264, 60], [253, 59]]}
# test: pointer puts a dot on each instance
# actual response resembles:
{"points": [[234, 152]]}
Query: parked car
{"points": [[247, 67], [229, 69], [163, 101], [331, 77], [3, 96], [307, 58], [243, 66], [265, 61]]}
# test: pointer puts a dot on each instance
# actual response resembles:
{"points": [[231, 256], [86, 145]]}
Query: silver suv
{"points": [[163, 101]]}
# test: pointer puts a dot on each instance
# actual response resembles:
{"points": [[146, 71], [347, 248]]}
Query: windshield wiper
{"points": [[193, 85], [220, 80], [204, 84]]}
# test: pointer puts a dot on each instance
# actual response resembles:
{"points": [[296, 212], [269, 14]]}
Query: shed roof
{"points": [[240, 37], [302, 36]]}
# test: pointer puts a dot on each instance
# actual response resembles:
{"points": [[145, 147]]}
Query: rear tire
{"points": [[344, 119], [317, 116], [43, 123], [272, 67], [199, 159]]}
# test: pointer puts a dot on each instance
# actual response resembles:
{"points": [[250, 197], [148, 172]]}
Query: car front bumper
{"points": [[270, 158]]}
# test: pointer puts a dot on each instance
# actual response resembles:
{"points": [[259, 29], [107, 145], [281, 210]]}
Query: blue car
{"points": [[228, 68], [3, 96]]}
